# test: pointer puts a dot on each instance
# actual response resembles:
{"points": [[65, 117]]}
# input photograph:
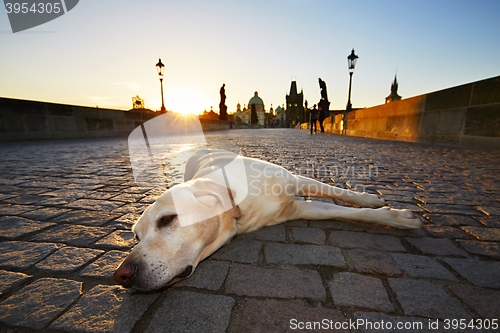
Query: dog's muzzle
{"points": [[126, 273]]}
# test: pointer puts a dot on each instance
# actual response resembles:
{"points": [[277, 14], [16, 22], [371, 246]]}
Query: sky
{"points": [[103, 52]]}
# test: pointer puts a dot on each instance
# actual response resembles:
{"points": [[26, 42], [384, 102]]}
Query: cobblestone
{"points": [[67, 208], [372, 262], [303, 254], [309, 235], [359, 291], [185, 311], [105, 309], [421, 266], [240, 249], [68, 259], [39, 303], [353, 240], [426, 299], [436, 246], [273, 282]]}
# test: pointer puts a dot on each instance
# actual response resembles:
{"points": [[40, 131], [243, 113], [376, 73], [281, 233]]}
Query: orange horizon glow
{"points": [[186, 100]]}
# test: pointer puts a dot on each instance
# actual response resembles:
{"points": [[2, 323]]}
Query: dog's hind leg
{"points": [[310, 187], [318, 210]]}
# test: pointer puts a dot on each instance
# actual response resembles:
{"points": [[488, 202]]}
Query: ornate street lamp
{"points": [[351, 62], [159, 69]]}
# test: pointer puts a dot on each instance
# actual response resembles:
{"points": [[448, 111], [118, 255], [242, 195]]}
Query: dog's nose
{"points": [[126, 273]]}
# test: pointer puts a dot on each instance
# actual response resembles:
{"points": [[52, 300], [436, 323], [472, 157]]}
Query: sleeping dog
{"points": [[192, 220]]}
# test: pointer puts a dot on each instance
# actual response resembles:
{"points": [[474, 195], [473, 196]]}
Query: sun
{"points": [[186, 100]]}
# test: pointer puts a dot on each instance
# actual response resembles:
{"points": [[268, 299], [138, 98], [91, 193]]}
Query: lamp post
{"points": [[159, 69], [351, 62]]}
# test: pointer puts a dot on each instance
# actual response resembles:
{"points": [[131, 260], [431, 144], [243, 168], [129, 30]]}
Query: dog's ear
{"points": [[223, 194]]}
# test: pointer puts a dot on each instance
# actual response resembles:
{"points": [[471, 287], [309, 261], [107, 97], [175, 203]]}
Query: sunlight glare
{"points": [[186, 100]]}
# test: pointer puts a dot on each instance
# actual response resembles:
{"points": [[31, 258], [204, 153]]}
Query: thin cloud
{"points": [[129, 84]]}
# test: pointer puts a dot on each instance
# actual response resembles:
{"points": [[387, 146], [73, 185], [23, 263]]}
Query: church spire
{"points": [[394, 91]]}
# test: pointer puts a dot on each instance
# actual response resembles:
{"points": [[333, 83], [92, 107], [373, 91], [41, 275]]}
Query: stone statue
{"points": [[322, 85], [323, 105], [222, 104]]}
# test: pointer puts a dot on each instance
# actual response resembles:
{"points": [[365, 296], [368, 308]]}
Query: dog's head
{"points": [[185, 225]]}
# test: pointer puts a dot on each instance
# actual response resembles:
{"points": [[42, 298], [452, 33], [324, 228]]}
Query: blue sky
{"points": [[104, 52]]}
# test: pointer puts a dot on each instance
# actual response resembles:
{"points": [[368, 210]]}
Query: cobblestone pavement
{"points": [[66, 208]]}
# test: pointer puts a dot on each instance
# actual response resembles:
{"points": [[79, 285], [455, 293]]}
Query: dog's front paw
{"points": [[372, 201], [401, 218]]}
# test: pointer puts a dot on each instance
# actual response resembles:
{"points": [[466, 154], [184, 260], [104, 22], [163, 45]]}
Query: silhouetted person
{"points": [[314, 118], [322, 117]]}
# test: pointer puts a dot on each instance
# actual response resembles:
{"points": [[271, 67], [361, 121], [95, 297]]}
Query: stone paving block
{"points": [[97, 205], [135, 207], [37, 304], [490, 249], [128, 197], [446, 231], [22, 255], [386, 230], [480, 273], [105, 266], [67, 193], [186, 311], [451, 209], [309, 235], [73, 234], [105, 309], [360, 291], [11, 210], [13, 226], [489, 221], [23, 200], [454, 220], [54, 201], [353, 240], [296, 223], [437, 246], [484, 234], [10, 280], [372, 262], [263, 316], [125, 221], [279, 253], [381, 322], [210, 274], [4, 196], [239, 250], [486, 302], [426, 299], [119, 239], [493, 211], [99, 195], [337, 225], [68, 259], [85, 217], [422, 266], [250, 280], [275, 233], [44, 214]]}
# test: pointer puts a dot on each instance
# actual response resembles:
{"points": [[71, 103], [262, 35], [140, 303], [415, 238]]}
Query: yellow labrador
{"points": [[225, 195]]}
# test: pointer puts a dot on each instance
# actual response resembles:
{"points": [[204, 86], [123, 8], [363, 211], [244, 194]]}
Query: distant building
{"points": [[257, 103], [210, 115], [280, 115], [294, 106], [242, 116], [394, 92]]}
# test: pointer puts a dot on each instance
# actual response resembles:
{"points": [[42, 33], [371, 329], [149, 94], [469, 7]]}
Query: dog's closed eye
{"points": [[164, 221]]}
